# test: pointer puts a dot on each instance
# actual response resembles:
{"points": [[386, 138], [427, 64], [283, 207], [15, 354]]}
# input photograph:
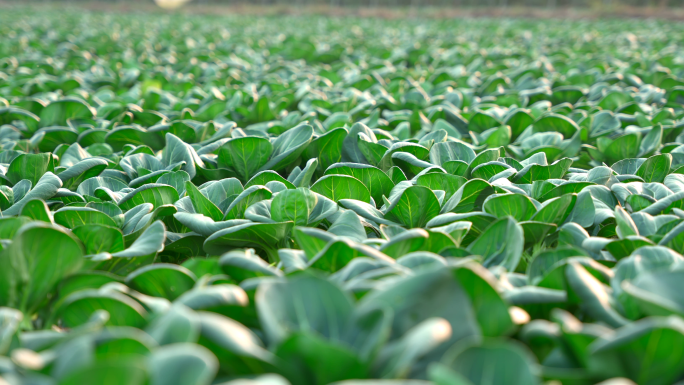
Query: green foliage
{"points": [[194, 200]]}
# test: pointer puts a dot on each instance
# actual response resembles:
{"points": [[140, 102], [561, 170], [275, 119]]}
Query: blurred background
{"points": [[669, 9], [389, 3]]}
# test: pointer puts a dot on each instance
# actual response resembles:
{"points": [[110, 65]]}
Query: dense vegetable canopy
{"points": [[191, 200]]}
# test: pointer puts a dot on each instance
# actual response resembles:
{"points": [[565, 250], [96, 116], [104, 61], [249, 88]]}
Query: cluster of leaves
{"points": [[310, 201]]}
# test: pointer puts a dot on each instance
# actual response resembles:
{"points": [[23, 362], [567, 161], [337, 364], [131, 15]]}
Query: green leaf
{"points": [[134, 164], [226, 299], [500, 245], [518, 121], [219, 190], [594, 299], [288, 147], [419, 153], [536, 232], [251, 195], [154, 193], [488, 170], [625, 146], [30, 166], [456, 167], [337, 253], [99, 238], [427, 294], [555, 277], [469, 197], [10, 225], [76, 174], [625, 224], [241, 265], [490, 309], [142, 252], [294, 205], [264, 177], [624, 247], [177, 151], [377, 182], [556, 210], [409, 163], [10, 320], [304, 177], [514, 363], [644, 351], [46, 188], [365, 210], [303, 304], [348, 225], [628, 166], [78, 308], [441, 374], [6, 198], [398, 357], [483, 157], [545, 260], [179, 364], [122, 136], [10, 114], [657, 294], [161, 280], [517, 206], [603, 123], [481, 121], [656, 168], [205, 226], [237, 348], [556, 123], [176, 180], [457, 230], [178, 324], [31, 269], [637, 202], [142, 216], [337, 187], [114, 372], [444, 152], [38, 210], [201, 203], [264, 236], [651, 141], [71, 217], [312, 240], [562, 189], [372, 152], [417, 240], [245, 156], [309, 359], [437, 181], [327, 148], [414, 207], [58, 112], [535, 172], [73, 154], [89, 186], [350, 147], [396, 175]]}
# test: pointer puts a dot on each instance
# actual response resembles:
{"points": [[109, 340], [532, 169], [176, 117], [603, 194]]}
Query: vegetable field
{"points": [[307, 200]]}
